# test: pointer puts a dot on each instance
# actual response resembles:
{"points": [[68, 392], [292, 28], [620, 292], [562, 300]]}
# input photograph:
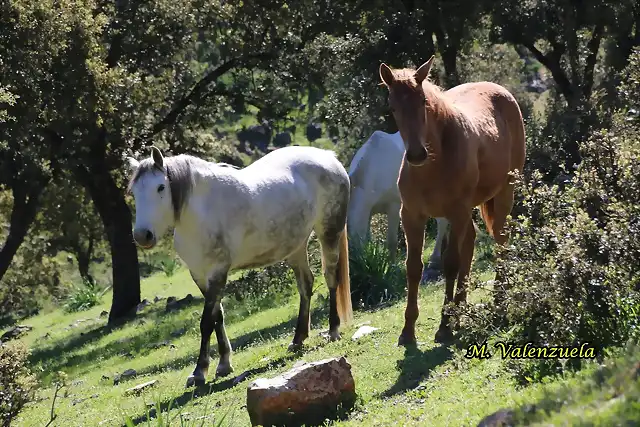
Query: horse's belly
{"points": [[258, 254], [272, 241]]}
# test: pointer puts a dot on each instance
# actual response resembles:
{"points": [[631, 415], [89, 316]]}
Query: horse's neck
{"points": [[196, 204], [440, 114]]}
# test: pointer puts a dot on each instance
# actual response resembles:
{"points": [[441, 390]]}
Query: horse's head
{"points": [[152, 193], [407, 101]]}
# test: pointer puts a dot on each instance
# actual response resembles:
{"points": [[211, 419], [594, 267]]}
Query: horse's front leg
{"points": [[413, 226], [212, 319]]}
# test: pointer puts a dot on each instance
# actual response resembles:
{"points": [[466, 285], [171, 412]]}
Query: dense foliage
{"points": [[17, 384], [572, 272]]}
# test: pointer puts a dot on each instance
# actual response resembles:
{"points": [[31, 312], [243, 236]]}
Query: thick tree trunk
{"points": [[450, 64], [23, 212], [111, 206], [84, 260]]}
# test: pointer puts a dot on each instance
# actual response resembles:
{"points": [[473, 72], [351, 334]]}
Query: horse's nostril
{"points": [[148, 236]]}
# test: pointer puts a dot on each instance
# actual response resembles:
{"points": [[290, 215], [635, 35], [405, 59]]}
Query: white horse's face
{"points": [[154, 210]]}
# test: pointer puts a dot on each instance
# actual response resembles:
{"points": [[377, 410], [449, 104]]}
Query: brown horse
{"points": [[461, 145]]}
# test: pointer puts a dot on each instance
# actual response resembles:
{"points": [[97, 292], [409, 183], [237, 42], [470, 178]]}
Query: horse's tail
{"points": [[486, 212], [343, 292]]}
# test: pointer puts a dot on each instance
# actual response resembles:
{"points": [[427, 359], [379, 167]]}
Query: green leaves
{"points": [[572, 268]]}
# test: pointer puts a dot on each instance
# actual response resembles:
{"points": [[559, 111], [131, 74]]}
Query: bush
{"points": [[32, 279], [169, 265], [252, 284], [160, 259], [84, 297], [374, 279], [16, 381], [571, 275]]}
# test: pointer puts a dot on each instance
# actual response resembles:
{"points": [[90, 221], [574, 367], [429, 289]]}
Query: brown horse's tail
{"points": [[486, 212], [343, 292]]}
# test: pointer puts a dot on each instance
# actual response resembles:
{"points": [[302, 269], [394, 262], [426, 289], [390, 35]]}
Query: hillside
{"points": [[430, 385]]}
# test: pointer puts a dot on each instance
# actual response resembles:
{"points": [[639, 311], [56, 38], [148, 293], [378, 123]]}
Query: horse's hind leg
{"points": [[494, 213], [434, 267], [335, 259], [464, 266], [332, 233], [299, 262], [457, 263]]}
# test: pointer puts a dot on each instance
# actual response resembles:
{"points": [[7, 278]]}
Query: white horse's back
{"points": [[376, 164], [374, 174], [266, 211]]}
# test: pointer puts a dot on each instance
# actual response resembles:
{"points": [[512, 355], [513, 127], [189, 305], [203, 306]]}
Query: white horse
{"points": [[228, 219], [374, 190]]}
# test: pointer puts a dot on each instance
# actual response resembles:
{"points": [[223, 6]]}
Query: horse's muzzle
{"points": [[417, 156], [144, 238]]}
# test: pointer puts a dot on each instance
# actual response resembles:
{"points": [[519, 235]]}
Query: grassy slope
{"points": [[431, 385]]}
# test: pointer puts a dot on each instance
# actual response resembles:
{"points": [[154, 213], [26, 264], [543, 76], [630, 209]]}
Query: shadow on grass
{"points": [[215, 387], [416, 366], [143, 342], [239, 343], [85, 338]]}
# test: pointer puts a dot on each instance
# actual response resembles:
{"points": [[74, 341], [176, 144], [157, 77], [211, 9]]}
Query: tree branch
{"points": [[553, 65], [198, 92], [220, 91]]}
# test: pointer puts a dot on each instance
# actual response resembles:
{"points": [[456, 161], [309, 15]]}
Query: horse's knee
{"points": [[414, 267]]}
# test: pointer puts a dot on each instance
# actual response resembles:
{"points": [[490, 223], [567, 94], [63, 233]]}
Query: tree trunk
{"points": [[23, 212], [84, 260], [449, 61], [111, 206]]}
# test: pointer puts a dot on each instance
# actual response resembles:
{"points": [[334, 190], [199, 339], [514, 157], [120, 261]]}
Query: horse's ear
{"points": [[386, 75], [132, 164], [423, 71], [156, 155]]}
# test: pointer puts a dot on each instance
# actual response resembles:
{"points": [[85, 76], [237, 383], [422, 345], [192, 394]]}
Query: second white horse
{"points": [[374, 190]]}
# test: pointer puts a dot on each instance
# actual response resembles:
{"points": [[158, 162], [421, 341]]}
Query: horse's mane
{"points": [[179, 171]]}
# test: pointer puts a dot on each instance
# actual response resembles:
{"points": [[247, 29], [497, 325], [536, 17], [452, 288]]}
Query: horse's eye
{"points": [[160, 188]]}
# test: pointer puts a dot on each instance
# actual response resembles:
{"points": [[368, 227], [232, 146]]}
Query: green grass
{"points": [[428, 385]]}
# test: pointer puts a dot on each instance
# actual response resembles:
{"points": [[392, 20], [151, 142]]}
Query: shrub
{"points": [[83, 297], [273, 279], [169, 265], [32, 279], [16, 381], [571, 275], [572, 272], [374, 279]]}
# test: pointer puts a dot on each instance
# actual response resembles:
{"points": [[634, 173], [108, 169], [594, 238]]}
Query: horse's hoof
{"points": [[443, 336], [334, 336], [294, 347], [195, 381], [223, 370], [407, 340]]}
